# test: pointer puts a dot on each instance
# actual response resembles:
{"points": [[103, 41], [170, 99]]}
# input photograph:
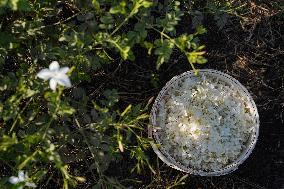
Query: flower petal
{"points": [[64, 70], [21, 176], [54, 66], [45, 74], [14, 180], [63, 80], [52, 84], [30, 184]]}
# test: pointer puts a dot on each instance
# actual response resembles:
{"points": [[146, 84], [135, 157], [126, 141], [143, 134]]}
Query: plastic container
{"points": [[154, 132]]}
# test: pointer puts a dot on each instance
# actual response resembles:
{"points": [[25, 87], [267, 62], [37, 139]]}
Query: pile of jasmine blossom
{"points": [[205, 123]]}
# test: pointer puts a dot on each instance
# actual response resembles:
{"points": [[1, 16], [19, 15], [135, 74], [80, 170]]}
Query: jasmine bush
{"points": [[48, 126]]}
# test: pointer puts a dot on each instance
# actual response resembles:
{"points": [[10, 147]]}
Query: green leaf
{"points": [[146, 4], [80, 179], [163, 50], [118, 9], [138, 35], [148, 46], [171, 19], [50, 96], [184, 42], [65, 109], [142, 116], [201, 60], [128, 109], [16, 5], [124, 52], [6, 142], [29, 93], [96, 4], [111, 96], [23, 5], [107, 19], [98, 108], [196, 57], [200, 30], [62, 38], [107, 22], [39, 174]]}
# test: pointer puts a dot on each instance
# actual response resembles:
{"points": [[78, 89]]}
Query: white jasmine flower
{"points": [[21, 180], [204, 125], [55, 75]]}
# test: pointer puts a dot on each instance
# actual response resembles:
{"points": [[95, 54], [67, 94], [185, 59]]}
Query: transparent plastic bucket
{"points": [[154, 130]]}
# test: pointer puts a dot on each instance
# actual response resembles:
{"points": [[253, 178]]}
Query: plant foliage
{"points": [[45, 132]]}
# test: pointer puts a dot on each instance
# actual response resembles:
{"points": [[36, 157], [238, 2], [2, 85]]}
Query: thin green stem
{"points": [[19, 114], [115, 44], [24, 163], [53, 114], [59, 22], [88, 144], [46, 128], [133, 12]]}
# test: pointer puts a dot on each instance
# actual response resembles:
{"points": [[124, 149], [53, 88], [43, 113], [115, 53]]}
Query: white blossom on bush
{"points": [[55, 75], [205, 123], [21, 180]]}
